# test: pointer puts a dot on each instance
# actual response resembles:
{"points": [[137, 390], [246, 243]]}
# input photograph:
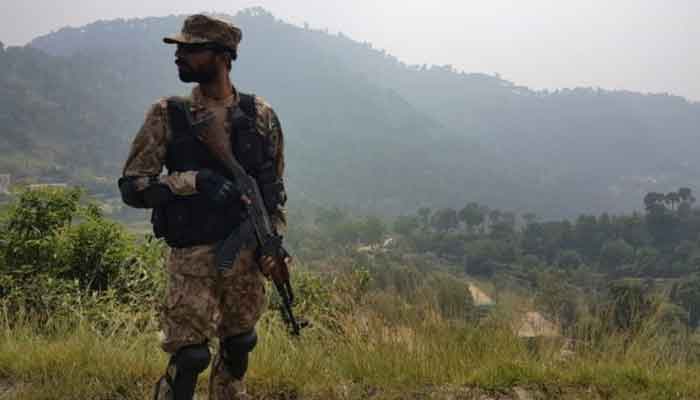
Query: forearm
{"points": [[181, 183], [154, 191]]}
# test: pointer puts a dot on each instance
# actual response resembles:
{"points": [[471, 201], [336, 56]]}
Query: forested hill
{"points": [[366, 131]]}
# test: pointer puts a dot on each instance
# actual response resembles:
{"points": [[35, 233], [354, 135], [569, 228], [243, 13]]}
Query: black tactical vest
{"points": [[195, 220]]}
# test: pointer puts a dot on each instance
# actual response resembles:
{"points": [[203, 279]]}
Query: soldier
{"points": [[196, 205]]}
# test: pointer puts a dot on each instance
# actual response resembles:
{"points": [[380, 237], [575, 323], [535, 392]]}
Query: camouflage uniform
{"points": [[201, 303]]}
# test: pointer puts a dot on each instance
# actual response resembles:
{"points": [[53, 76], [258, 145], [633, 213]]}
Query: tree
{"points": [[686, 195], [327, 218], [569, 259], [472, 215], [529, 218], [452, 296], [494, 216], [50, 234], [634, 230], [615, 254], [687, 294], [654, 202], [672, 198], [629, 305], [555, 298], [372, 229], [661, 223], [504, 227], [444, 219], [406, 224], [424, 215], [484, 256], [587, 236]]}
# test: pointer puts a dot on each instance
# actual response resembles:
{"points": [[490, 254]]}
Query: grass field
{"points": [[364, 356]]}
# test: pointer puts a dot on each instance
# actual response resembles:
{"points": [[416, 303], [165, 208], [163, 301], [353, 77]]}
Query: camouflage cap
{"points": [[204, 29]]}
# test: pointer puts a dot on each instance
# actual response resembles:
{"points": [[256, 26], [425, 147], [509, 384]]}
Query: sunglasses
{"points": [[198, 48]]}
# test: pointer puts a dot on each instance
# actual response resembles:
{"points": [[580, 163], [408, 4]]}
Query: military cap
{"points": [[204, 29]]}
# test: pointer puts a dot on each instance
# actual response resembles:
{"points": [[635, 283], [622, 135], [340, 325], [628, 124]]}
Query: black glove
{"points": [[157, 194], [130, 194], [154, 195], [219, 189]]}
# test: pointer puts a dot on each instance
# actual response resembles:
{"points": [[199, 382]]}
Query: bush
{"points": [[92, 252], [30, 225], [57, 253]]}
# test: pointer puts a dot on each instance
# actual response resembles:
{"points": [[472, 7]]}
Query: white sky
{"points": [[640, 45]]}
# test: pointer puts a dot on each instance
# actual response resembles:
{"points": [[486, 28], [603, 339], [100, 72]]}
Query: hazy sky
{"points": [[640, 45]]}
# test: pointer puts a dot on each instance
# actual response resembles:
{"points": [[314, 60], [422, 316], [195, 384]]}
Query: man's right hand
{"points": [[219, 189]]}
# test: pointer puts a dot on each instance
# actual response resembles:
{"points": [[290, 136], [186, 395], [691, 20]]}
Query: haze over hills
{"points": [[363, 130]]}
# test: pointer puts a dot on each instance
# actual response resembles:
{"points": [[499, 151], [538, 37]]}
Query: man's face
{"points": [[196, 63]]}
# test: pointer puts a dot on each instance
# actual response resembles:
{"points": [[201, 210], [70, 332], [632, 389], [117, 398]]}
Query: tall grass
{"points": [[367, 352]]}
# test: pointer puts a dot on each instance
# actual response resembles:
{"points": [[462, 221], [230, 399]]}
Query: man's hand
{"points": [[157, 194], [221, 190], [274, 268]]}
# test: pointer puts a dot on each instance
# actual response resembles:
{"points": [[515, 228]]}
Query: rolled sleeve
{"points": [[148, 152]]}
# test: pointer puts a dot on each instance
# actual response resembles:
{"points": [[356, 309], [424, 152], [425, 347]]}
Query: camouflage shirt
{"points": [[148, 150]]}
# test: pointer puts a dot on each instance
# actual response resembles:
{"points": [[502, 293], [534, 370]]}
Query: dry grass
{"points": [[373, 358]]}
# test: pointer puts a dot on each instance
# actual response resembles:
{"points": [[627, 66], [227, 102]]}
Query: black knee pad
{"points": [[234, 352], [193, 358], [180, 379]]}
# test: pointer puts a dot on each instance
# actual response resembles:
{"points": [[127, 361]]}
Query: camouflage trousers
{"points": [[202, 303]]}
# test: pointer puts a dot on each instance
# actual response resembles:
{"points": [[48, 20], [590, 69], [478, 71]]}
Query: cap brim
{"points": [[184, 39]]}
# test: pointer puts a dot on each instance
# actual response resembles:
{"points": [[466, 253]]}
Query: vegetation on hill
{"points": [[56, 124], [78, 299], [364, 131]]}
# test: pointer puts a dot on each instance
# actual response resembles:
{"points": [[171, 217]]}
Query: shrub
{"points": [[92, 252], [58, 253], [30, 225]]}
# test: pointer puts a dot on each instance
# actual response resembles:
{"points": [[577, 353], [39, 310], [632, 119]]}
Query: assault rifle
{"points": [[256, 226]]}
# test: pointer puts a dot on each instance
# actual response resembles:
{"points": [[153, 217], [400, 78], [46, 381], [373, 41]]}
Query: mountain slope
{"points": [[369, 132]]}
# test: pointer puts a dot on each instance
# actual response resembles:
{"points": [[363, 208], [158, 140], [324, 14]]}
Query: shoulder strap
{"points": [[179, 114], [246, 103]]}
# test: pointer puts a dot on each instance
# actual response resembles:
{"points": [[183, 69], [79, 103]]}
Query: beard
{"points": [[203, 75]]}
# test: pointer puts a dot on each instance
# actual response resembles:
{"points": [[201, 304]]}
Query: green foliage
{"points": [[686, 293], [454, 301], [372, 229], [484, 256], [406, 224], [406, 156], [392, 306], [557, 299], [92, 252], [473, 215], [616, 254], [58, 252], [444, 219], [141, 282], [629, 305], [568, 259], [340, 228], [30, 227]]}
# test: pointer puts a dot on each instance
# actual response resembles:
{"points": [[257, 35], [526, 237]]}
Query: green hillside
{"points": [[367, 132]]}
